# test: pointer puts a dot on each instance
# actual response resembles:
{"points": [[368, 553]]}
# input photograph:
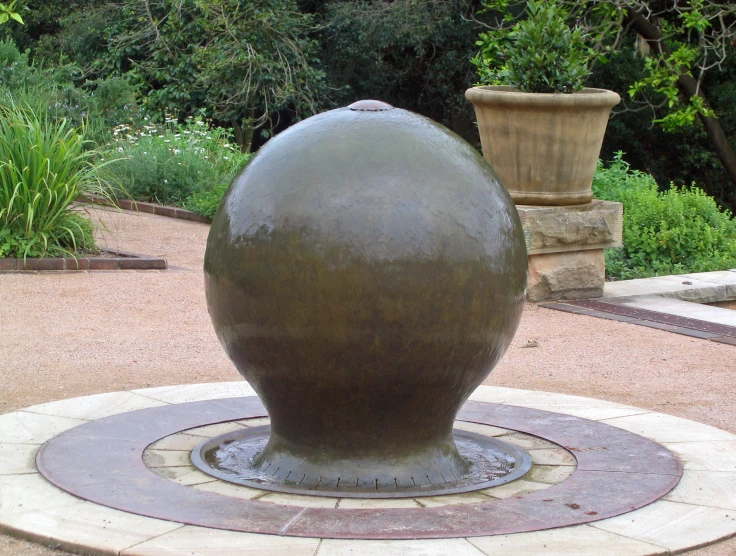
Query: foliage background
{"points": [[250, 69]]}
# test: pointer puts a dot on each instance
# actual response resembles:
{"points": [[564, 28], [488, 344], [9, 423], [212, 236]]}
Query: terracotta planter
{"points": [[543, 146]]}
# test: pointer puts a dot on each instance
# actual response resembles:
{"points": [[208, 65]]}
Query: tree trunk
{"points": [[689, 88], [244, 138]]}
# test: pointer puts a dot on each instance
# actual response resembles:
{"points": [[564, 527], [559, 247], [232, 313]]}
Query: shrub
{"points": [[170, 163], [540, 54], [671, 232], [44, 167], [97, 105], [206, 201]]}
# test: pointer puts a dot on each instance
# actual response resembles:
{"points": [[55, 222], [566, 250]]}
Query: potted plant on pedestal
{"points": [[540, 129]]}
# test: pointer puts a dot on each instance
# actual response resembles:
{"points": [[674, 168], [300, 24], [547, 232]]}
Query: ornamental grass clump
{"points": [[539, 54], [44, 168]]}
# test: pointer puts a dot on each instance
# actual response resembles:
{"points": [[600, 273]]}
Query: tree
{"points": [[241, 62], [7, 12], [684, 41], [411, 53]]}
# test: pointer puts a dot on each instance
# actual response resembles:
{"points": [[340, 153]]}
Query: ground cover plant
{"points": [[44, 167], [665, 232], [187, 165]]}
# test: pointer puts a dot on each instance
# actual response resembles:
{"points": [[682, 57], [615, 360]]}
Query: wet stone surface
{"points": [[488, 468]]}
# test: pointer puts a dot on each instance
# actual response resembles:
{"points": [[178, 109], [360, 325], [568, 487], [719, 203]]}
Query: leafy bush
{"points": [[540, 54], [671, 232], [186, 165], [44, 167], [97, 105]]}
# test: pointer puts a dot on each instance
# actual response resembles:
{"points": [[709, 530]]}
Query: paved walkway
{"points": [[72, 334]]}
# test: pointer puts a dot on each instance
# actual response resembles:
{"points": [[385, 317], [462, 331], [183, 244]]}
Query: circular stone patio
{"points": [[701, 509]]}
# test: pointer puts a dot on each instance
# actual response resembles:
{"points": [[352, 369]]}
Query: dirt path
{"points": [[72, 334]]}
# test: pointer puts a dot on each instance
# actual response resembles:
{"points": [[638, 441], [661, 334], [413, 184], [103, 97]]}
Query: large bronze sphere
{"points": [[365, 272]]}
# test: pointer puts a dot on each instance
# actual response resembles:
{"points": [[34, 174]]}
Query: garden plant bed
{"points": [[108, 259], [149, 208]]}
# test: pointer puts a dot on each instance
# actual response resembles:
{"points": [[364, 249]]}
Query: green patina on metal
{"points": [[365, 272]]}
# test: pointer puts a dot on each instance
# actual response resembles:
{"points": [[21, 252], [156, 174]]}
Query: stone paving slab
{"points": [[212, 542], [90, 408], [686, 288], [570, 541], [32, 507], [673, 525]]}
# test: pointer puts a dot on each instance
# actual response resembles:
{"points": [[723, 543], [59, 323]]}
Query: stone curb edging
{"points": [[121, 260], [148, 208], [642, 302], [695, 328], [698, 512], [102, 462]]}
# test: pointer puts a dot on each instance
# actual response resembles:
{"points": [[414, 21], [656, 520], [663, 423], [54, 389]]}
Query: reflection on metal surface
{"points": [[365, 272], [370, 105], [231, 457]]}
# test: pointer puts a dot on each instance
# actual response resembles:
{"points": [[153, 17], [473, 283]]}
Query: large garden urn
{"points": [[365, 272], [544, 146]]}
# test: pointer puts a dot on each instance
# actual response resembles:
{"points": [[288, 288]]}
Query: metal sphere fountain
{"points": [[365, 273]]}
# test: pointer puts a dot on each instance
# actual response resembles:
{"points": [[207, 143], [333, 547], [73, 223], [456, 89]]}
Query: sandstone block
{"points": [[591, 226], [566, 275]]}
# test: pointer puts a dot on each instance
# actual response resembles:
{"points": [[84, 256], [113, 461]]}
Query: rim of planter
{"points": [[505, 95]]}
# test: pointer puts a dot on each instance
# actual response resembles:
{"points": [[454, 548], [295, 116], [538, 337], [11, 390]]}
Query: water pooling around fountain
{"points": [[231, 457]]}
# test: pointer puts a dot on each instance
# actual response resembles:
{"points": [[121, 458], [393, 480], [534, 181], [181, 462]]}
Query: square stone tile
{"points": [[592, 412], [454, 499], [88, 527], [666, 428], [485, 430], [28, 493], [715, 455], [672, 525], [586, 408], [230, 489], [215, 430], [183, 475], [725, 277], [97, 406], [552, 456], [373, 503], [166, 458], [18, 458], [212, 542], [695, 290], [299, 500], [550, 474], [195, 392], [520, 487], [259, 422], [580, 540], [529, 442], [431, 547], [32, 428], [716, 489], [181, 441]]}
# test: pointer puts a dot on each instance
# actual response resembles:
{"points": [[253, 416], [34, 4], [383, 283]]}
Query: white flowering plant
{"points": [[175, 163]]}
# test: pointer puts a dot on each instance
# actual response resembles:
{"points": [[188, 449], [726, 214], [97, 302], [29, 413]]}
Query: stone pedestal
{"points": [[565, 246]]}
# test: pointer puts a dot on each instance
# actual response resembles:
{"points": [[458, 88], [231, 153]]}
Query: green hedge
{"points": [[665, 232]]}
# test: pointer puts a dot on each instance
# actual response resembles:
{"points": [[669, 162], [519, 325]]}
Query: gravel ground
{"points": [[71, 334]]}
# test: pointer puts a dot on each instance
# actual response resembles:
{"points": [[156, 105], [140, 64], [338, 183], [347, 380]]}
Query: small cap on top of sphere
{"points": [[370, 106]]}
